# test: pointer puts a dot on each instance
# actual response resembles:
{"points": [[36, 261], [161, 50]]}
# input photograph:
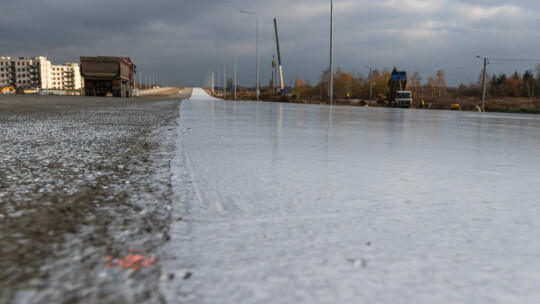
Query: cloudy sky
{"points": [[179, 41]]}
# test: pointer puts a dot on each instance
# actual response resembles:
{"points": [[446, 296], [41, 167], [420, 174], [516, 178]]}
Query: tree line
{"points": [[357, 86]]}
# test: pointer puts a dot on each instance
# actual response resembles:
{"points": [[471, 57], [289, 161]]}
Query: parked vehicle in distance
{"points": [[104, 74], [403, 99], [397, 96], [7, 90]]}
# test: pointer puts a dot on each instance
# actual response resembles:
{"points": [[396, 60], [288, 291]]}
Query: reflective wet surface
{"points": [[297, 203], [211, 201]]}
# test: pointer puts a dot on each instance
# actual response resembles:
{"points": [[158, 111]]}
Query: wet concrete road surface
{"points": [[85, 195], [291, 203], [211, 201]]}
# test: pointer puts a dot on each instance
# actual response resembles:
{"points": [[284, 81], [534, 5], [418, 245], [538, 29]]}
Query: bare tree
{"points": [[416, 82], [432, 85], [441, 83]]}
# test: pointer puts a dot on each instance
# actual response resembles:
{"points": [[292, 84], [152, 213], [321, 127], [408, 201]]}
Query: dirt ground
{"points": [[84, 187], [164, 92], [512, 105]]}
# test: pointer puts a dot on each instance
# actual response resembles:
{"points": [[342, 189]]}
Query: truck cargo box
{"points": [[105, 75], [103, 67]]}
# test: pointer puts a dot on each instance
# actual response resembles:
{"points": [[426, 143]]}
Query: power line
{"points": [[516, 60], [452, 69], [514, 63]]}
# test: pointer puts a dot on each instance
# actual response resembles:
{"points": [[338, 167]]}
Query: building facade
{"points": [[38, 74], [7, 76], [25, 73], [66, 77]]}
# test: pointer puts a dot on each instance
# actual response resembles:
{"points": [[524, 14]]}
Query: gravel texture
{"points": [[84, 182]]}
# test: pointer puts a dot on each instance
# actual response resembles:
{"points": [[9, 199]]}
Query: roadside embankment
{"points": [[507, 105], [160, 92]]}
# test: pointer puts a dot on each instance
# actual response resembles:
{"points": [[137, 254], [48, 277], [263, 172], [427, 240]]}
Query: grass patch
{"points": [[513, 110]]}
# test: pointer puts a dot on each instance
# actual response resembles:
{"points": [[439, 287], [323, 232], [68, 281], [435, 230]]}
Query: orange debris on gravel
{"points": [[132, 261]]}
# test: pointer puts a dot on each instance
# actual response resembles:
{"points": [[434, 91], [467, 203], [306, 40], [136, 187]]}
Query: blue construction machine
{"points": [[397, 96]]}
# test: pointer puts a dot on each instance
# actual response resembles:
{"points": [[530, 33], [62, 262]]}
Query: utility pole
{"points": [[224, 81], [257, 37], [257, 46], [218, 83], [212, 81], [483, 83], [370, 84], [234, 74], [331, 86]]}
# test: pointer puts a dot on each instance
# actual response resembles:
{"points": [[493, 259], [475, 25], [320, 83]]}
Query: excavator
{"points": [[7, 90]]}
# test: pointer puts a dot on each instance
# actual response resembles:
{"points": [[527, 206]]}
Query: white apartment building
{"points": [[38, 73], [44, 73], [25, 73], [66, 77]]}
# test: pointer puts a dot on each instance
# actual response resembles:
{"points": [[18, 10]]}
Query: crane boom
{"points": [[279, 58]]}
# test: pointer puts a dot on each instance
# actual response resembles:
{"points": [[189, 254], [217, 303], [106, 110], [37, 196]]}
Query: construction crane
{"points": [[281, 86]]}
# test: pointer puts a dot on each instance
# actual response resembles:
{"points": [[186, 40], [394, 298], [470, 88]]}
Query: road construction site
{"points": [[83, 179], [175, 200]]}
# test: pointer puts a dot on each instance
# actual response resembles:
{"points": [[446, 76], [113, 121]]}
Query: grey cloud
{"points": [[182, 40]]}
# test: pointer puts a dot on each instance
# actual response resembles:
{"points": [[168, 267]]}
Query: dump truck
{"points": [[108, 75], [397, 96]]}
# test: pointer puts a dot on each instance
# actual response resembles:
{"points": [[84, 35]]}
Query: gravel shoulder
{"points": [[84, 182]]}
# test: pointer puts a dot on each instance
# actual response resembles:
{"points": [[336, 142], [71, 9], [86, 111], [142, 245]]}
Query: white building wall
{"points": [[44, 73], [57, 75], [77, 78], [66, 77], [39, 73]]}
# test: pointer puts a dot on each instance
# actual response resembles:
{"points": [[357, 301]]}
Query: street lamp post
{"points": [[234, 74], [331, 85], [483, 82], [370, 83], [257, 46]]}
